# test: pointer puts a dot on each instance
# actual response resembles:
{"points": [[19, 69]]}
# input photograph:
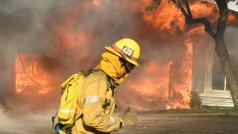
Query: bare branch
{"points": [[180, 6], [203, 21], [190, 20], [223, 16], [188, 8], [154, 4]]}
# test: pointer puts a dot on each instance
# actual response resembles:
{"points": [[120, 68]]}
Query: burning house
{"points": [[178, 58], [232, 5], [211, 83]]}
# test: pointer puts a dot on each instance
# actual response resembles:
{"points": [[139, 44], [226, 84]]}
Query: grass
{"points": [[198, 110]]}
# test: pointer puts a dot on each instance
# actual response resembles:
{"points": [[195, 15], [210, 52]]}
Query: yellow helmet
{"points": [[126, 48]]}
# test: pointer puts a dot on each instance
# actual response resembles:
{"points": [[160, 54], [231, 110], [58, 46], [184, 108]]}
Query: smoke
{"points": [[21, 28], [53, 39], [231, 43], [31, 124], [63, 36], [67, 36], [34, 28]]}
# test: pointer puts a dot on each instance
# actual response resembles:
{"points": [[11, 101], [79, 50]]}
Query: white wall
{"points": [[232, 5]]}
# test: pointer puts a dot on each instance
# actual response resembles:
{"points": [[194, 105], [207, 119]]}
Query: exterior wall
{"points": [[202, 67], [233, 5], [202, 78], [217, 98]]}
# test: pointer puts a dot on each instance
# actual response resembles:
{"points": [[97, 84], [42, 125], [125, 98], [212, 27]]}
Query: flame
{"points": [[69, 39], [164, 82], [72, 37], [233, 19], [97, 3], [181, 86], [153, 86], [164, 85], [30, 75], [171, 14], [169, 17]]}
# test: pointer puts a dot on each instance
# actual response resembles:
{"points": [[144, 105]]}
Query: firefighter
{"points": [[97, 101]]}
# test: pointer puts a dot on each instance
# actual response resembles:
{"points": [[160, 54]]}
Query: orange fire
{"points": [[163, 86], [31, 76], [153, 86], [165, 17], [162, 83], [183, 85], [169, 18]]}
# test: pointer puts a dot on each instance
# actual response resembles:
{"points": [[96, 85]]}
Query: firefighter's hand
{"points": [[129, 118]]}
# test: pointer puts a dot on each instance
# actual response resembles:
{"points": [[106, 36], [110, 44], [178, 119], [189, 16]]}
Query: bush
{"points": [[195, 100]]}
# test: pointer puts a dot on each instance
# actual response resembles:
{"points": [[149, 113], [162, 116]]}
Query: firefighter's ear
{"points": [[123, 60]]}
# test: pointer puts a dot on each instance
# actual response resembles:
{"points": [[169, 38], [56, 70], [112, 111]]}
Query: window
{"points": [[218, 78]]}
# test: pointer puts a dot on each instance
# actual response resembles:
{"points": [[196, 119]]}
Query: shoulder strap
{"points": [[86, 73], [112, 84]]}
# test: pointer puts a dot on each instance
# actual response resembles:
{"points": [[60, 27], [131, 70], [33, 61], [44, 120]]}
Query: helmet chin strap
{"points": [[112, 83]]}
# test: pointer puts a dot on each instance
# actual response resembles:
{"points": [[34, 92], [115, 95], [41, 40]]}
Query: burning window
{"points": [[219, 81], [31, 75], [218, 77]]}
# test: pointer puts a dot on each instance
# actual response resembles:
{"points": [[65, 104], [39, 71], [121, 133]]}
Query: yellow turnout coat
{"points": [[97, 105]]}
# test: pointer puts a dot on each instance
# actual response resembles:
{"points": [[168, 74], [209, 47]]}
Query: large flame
{"points": [[162, 85], [168, 17], [163, 82], [31, 76]]}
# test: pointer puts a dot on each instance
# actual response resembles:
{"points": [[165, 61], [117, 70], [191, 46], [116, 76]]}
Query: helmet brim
{"points": [[118, 54]]}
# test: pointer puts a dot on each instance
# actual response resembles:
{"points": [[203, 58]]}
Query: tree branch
{"points": [[179, 5], [188, 8], [190, 20], [203, 21], [223, 16]]}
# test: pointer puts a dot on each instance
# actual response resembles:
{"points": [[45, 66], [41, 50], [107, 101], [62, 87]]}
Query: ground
{"points": [[184, 124], [149, 123]]}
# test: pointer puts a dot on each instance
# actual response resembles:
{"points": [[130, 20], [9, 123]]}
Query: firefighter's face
{"points": [[128, 66]]}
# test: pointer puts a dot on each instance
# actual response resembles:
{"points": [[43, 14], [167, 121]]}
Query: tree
{"points": [[217, 35]]}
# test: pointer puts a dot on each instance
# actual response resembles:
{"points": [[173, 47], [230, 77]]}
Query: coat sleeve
{"points": [[93, 113]]}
